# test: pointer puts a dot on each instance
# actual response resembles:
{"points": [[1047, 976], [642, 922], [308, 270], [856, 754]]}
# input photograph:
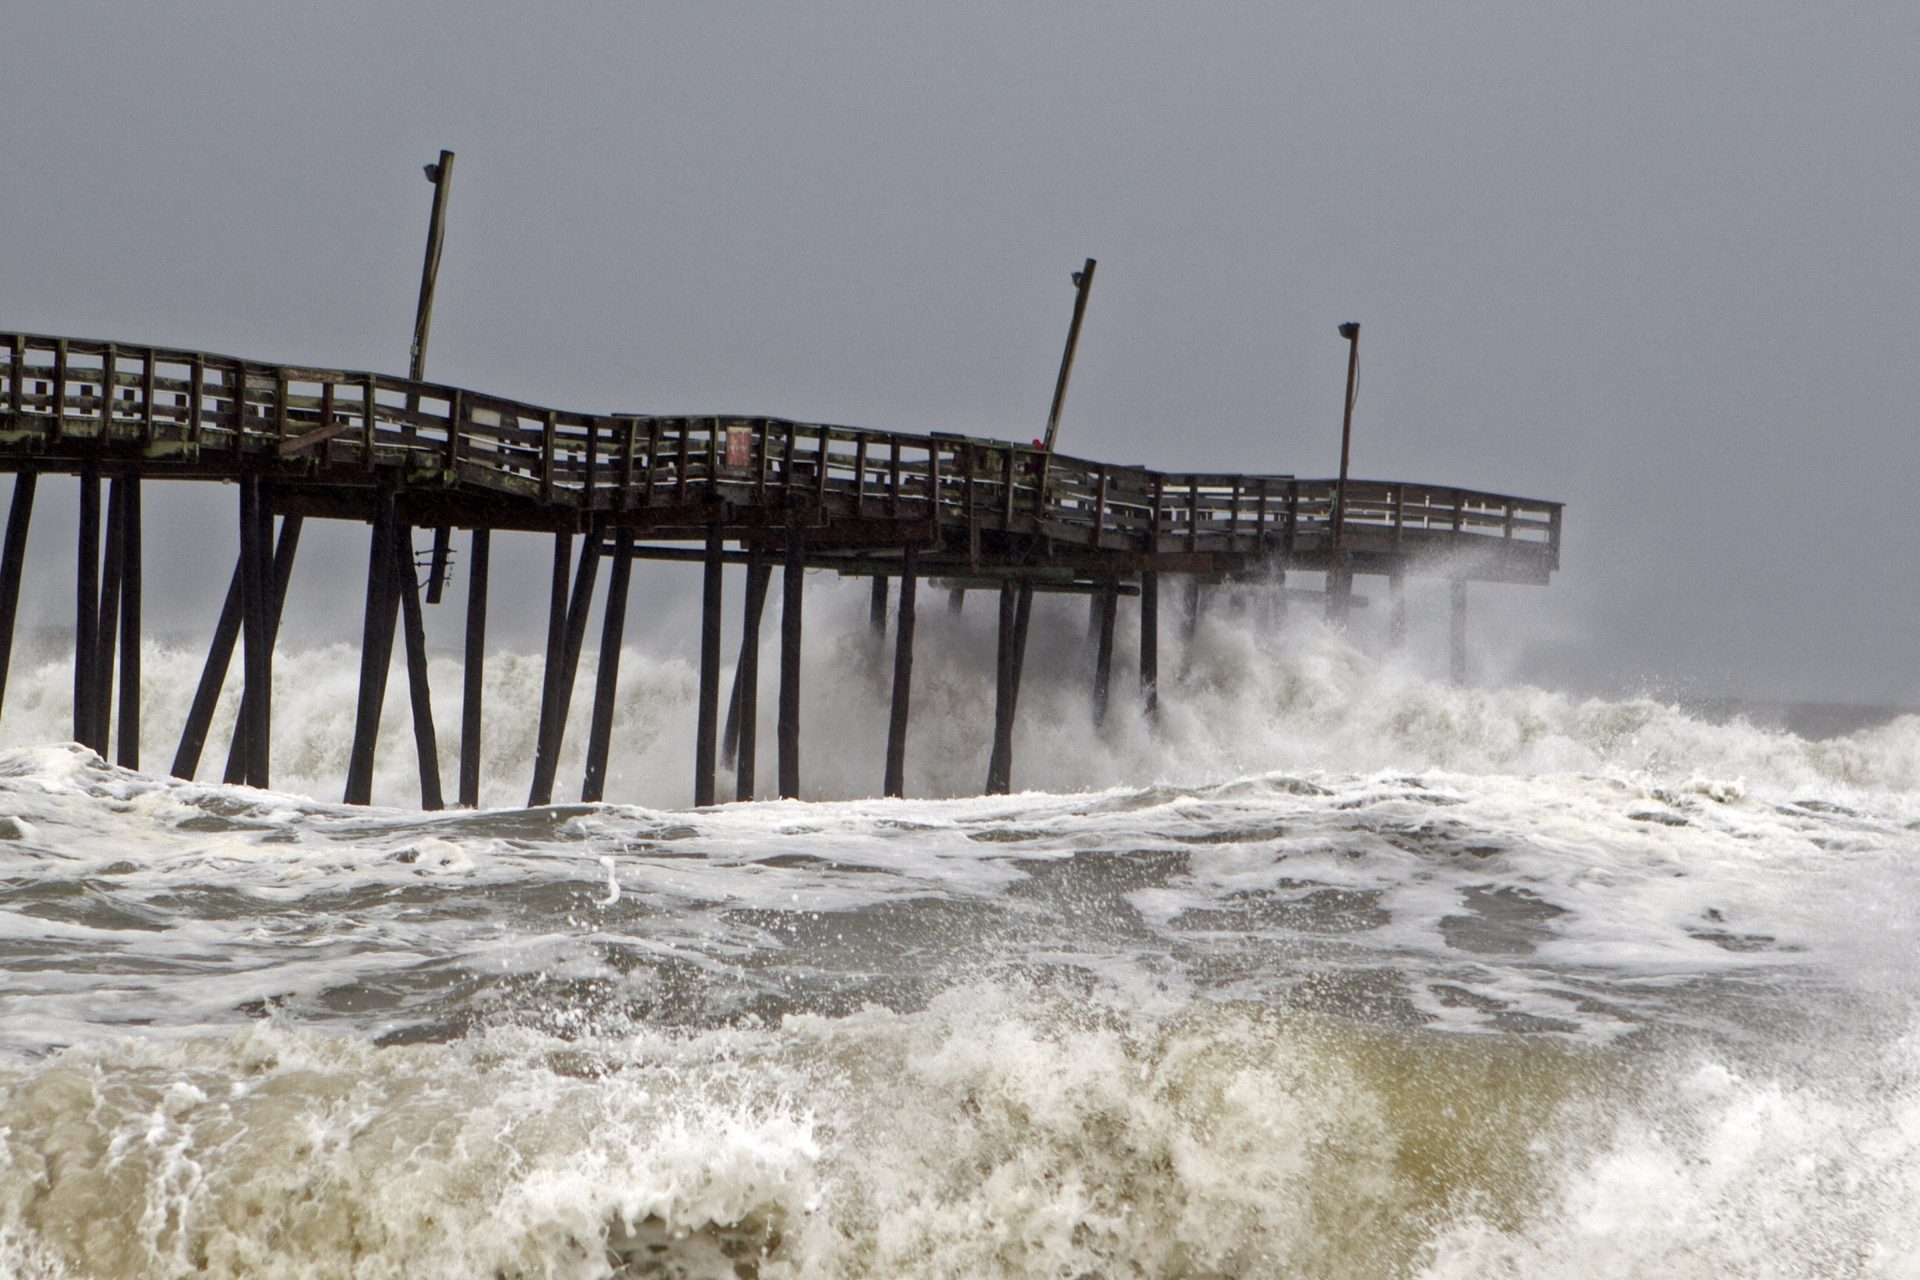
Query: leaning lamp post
{"points": [[1340, 579]]}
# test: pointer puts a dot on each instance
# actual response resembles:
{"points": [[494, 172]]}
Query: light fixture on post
{"points": [[1339, 576]]}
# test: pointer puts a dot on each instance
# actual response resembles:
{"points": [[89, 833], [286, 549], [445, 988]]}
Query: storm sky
{"points": [[1656, 260]]}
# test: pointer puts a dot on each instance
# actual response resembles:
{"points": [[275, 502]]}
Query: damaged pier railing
{"points": [[399, 454]]}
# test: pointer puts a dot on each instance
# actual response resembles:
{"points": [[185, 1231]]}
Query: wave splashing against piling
{"points": [[1346, 973]]}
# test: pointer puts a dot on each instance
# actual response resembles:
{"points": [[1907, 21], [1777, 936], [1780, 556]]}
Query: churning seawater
{"points": [[1340, 971]]}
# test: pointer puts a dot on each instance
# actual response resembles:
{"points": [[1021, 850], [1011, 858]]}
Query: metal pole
{"points": [[441, 176], [1083, 285], [1340, 582]]}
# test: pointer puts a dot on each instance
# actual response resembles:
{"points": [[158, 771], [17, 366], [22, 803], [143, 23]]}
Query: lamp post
{"points": [[1339, 577]]}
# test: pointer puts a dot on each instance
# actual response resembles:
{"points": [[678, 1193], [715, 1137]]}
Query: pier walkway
{"points": [[761, 492]]}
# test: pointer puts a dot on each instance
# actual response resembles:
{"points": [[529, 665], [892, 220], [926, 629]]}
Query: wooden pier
{"points": [[753, 493]]}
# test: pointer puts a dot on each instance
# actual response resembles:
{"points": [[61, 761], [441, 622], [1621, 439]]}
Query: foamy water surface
{"points": [[1339, 971]]}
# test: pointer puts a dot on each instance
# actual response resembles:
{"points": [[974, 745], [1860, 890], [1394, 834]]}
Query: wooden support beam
{"points": [[86, 630], [707, 730], [1397, 617], [437, 569], [13, 559], [127, 752], [902, 677], [1000, 760], [877, 607], [237, 750], [1022, 616], [1457, 633], [740, 741], [1150, 645], [956, 600], [613, 627], [107, 634], [256, 591], [546, 763], [556, 650], [426, 743], [1106, 610], [473, 670], [793, 580], [226, 633], [376, 650]]}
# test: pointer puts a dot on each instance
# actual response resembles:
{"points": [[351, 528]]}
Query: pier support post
{"points": [[877, 607], [740, 742], [226, 633], [1397, 609], [1457, 633], [127, 750], [1106, 608], [1022, 618], [86, 616], [473, 666], [956, 601], [13, 562], [376, 650], [238, 748], [1150, 644], [613, 630], [560, 676], [793, 581], [556, 650], [902, 676], [1005, 694], [706, 732], [107, 635], [426, 743], [256, 591]]}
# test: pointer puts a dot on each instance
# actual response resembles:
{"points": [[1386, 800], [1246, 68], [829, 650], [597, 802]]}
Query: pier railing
{"points": [[198, 409]]}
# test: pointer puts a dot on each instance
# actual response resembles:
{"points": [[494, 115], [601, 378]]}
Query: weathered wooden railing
{"points": [[195, 408]]}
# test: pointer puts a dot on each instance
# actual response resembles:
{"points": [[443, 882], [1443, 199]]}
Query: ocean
{"points": [[1338, 970]]}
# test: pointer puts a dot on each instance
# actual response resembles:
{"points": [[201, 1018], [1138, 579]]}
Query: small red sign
{"points": [[739, 446]]}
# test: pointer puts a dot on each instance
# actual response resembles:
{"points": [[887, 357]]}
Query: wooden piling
{"points": [[1150, 644], [896, 782], [707, 730], [473, 667], [1022, 617], [13, 559], [426, 743], [1397, 613], [86, 631], [376, 650], [226, 633], [555, 655], [613, 628], [1457, 633], [792, 594], [1000, 761], [107, 632], [877, 607], [956, 601], [740, 742], [237, 750], [546, 762], [257, 649], [127, 752], [1107, 607]]}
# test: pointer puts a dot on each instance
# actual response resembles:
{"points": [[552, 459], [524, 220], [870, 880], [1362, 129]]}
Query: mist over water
{"points": [[1337, 971]]}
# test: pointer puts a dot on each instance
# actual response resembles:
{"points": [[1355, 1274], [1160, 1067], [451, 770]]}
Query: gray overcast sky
{"points": [[1657, 260]]}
